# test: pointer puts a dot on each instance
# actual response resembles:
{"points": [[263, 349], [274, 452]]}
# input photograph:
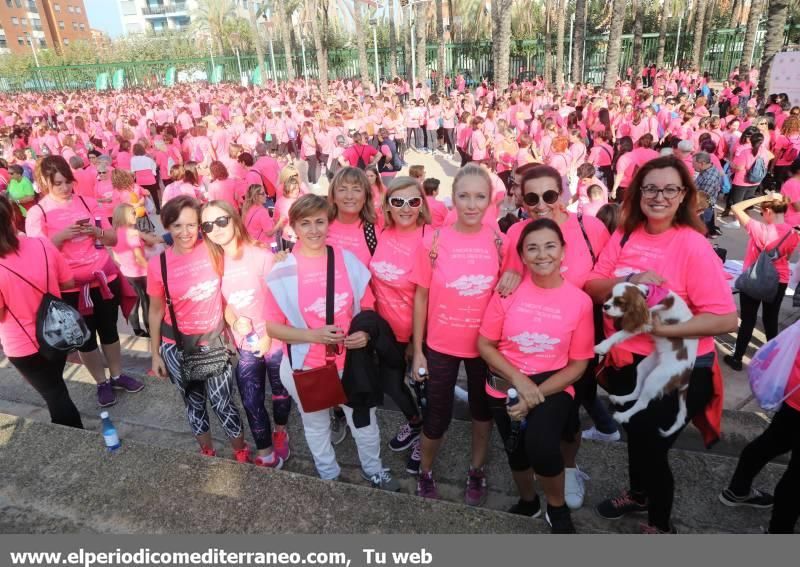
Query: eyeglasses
{"points": [[532, 199], [400, 202], [221, 222], [669, 192]]}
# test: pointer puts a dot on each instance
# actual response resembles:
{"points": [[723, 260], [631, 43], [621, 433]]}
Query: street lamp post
{"points": [[571, 27], [33, 48], [234, 39], [271, 51], [411, 26]]}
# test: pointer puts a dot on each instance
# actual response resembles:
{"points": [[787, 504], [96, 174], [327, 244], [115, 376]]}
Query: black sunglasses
{"points": [[532, 199], [221, 222]]}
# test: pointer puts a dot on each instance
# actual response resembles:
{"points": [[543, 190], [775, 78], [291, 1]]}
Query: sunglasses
{"points": [[532, 199], [400, 202], [221, 222]]}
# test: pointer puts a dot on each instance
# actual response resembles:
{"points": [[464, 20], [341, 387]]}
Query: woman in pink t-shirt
{"points": [[76, 226], [662, 243], [296, 314], [222, 187], [259, 225], [455, 271], [541, 365], [770, 234], [747, 152], [354, 224], [40, 263], [243, 267], [791, 190], [194, 289]]}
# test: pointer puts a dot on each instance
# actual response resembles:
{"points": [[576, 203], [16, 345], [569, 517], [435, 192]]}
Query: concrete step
{"points": [[156, 417]]}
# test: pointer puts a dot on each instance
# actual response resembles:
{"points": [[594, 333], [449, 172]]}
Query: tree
{"points": [[663, 20], [210, 17], [392, 42], [361, 31], [699, 21], [501, 41], [638, 28], [548, 48], [257, 39], [776, 22], [561, 10], [282, 12], [422, 45], [322, 54], [756, 6], [577, 43], [440, 59], [614, 49], [707, 25]]}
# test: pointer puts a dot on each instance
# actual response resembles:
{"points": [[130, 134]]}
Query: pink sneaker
{"points": [[242, 455], [274, 461], [208, 452], [280, 444]]}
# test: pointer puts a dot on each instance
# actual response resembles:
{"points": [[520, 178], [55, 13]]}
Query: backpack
{"points": [[791, 153], [361, 164], [59, 327], [757, 171]]}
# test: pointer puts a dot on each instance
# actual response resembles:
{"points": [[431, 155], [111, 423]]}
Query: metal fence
{"points": [[722, 53]]}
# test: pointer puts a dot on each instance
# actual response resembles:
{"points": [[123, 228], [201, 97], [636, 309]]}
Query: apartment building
{"points": [[42, 24]]}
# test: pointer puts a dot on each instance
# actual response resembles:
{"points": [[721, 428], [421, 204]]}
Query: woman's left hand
{"points": [[658, 328], [359, 339]]}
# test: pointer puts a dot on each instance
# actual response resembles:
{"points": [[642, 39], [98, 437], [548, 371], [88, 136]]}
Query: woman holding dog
{"points": [[542, 366], [661, 242]]}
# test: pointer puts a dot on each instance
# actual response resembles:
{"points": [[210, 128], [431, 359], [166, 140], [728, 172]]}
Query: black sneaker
{"points": [[796, 298], [756, 499], [616, 508], [560, 519], [405, 437], [532, 509], [414, 459], [732, 362]]}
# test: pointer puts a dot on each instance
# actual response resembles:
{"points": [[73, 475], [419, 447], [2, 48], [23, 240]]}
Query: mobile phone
{"points": [[84, 221]]}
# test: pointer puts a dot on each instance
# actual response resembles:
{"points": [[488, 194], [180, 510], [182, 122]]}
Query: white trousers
{"points": [[317, 429]]}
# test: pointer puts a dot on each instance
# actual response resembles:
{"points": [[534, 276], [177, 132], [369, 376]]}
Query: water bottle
{"points": [[516, 426], [110, 435], [421, 390], [98, 223], [251, 340], [274, 247]]}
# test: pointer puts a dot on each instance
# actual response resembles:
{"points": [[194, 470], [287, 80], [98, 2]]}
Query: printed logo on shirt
{"points": [[469, 285], [387, 271], [318, 307], [242, 298], [201, 291], [530, 343]]}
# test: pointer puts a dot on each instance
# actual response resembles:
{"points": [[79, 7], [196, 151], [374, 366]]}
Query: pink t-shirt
{"points": [[438, 211], [577, 262], [350, 237], [391, 266], [743, 159], [259, 224], [29, 262], [104, 190], [460, 285], [685, 259], [79, 252], [177, 189], [541, 330], [194, 287], [767, 235], [128, 240], [791, 189], [245, 290], [223, 190]]}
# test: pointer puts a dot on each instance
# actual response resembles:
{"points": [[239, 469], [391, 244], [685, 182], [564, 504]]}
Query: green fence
{"points": [[722, 53]]}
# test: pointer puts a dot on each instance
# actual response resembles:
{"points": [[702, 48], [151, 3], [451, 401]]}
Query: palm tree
{"points": [[548, 49], [614, 49], [257, 39], [440, 53], [699, 21], [360, 31], [711, 5], [392, 42], [322, 54], [756, 6], [422, 42], [776, 21], [577, 43], [663, 20], [501, 41], [638, 29], [282, 12], [210, 17], [561, 10]]}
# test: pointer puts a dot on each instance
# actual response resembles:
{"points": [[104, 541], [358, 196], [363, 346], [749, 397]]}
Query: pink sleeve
{"points": [[422, 271], [757, 232], [511, 260], [34, 225], [607, 261], [706, 285], [368, 301], [493, 316], [597, 233], [155, 286], [581, 347]]}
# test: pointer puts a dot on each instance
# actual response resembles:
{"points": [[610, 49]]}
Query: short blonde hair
{"points": [[398, 184], [120, 216], [306, 206]]}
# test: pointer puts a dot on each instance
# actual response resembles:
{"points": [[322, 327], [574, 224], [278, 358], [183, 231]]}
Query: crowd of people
{"points": [[392, 288]]}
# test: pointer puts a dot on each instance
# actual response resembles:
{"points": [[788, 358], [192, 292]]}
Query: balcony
{"points": [[171, 9]]}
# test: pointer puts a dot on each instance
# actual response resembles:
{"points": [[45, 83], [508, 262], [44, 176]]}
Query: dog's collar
{"points": [[655, 293]]}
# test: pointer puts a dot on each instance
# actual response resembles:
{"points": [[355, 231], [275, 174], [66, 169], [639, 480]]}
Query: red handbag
{"points": [[321, 388]]}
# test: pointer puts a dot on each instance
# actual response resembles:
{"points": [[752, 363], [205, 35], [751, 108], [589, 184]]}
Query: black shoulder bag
{"points": [[199, 363]]}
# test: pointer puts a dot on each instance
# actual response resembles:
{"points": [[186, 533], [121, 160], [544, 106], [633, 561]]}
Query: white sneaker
{"points": [[595, 435], [574, 487]]}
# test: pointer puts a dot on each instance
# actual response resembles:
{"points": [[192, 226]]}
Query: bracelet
{"points": [[629, 277]]}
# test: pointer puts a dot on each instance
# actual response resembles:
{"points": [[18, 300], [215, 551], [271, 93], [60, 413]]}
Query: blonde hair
{"points": [[357, 177], [398, 184], [120, 216], [471, 170], [306, 206], [250, 197], [288, 172], [779, 204]]}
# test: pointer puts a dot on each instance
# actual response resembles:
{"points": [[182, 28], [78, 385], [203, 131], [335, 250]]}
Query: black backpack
{"points": [[60, 329], [361, 164]]}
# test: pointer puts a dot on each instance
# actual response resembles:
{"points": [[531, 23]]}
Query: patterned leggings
{"points": [[251, 375], [217, 390]]}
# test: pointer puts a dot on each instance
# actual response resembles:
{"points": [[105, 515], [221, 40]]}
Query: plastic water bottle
{"points": [[251, 340], [274, 247], [516, 426], [110, 435], [97, 244], [421, 390]]}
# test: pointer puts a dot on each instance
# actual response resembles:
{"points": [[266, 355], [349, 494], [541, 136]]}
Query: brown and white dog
{"points": [[670, 365]]}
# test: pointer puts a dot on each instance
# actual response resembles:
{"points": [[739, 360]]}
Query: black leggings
{"points": [[539, 444], [450, 139], [313, 164], [648, 460], [47, 377], [143, 301], [769, 316], [780, 437], [103, 320], [395, 386]]}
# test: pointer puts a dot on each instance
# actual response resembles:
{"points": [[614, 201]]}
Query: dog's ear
{"points": [[636, 314]]}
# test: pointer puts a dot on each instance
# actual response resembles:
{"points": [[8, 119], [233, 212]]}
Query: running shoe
{"points": [[531, 509], [560, 519], [125, 382], [242, 455], [338, 428], [575, 487], [414, 459], [755, 499], [280, 444], [382, 480], [476, 491], [622, 505], [105, 394], [405, 437], [733, 362], [594, 434], [426, 486], [208, 452], [273, 461]]}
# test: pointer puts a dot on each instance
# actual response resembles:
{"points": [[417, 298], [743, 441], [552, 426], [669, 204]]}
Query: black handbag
{"points": [[199, 363]]}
